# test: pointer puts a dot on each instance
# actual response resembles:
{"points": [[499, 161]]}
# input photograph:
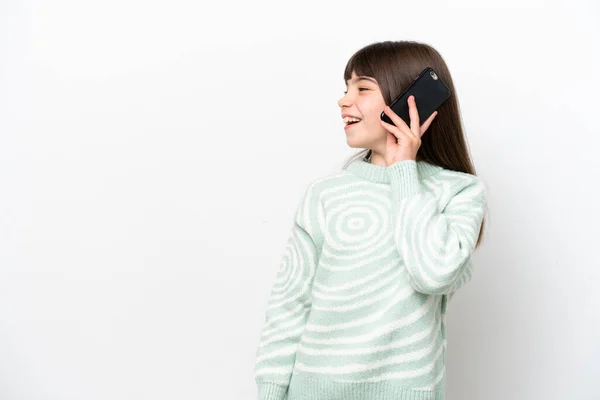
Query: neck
{"points": [[377, 159]]}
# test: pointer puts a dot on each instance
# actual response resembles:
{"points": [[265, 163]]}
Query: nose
{"points": [[344, 101]]}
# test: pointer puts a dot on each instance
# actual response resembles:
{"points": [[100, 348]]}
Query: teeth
{"points": [[350, 119]]}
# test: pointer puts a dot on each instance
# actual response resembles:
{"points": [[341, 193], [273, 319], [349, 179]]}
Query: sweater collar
{"points": [[379, 174]]}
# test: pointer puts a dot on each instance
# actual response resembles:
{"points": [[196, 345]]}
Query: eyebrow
{"points": [[362, 78]]}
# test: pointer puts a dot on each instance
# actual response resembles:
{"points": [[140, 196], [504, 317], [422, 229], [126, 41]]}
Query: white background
{"points": [[152, 155]]}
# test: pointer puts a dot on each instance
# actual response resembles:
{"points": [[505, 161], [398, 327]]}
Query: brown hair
{"points": [[395, 64]]}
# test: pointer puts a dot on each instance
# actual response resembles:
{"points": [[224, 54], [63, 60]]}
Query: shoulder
{"points": [[310, 213], [320, 185]]}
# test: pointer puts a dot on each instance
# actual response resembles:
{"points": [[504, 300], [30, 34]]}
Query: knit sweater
{"points": [[357, 308]]}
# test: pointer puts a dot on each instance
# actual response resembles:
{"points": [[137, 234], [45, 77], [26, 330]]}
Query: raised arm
{"points": [[436, 245]]}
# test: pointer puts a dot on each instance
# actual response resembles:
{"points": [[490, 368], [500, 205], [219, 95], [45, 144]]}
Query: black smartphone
{"points": [[429, 91]]}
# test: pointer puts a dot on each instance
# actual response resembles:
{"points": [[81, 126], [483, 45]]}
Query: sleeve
{"points": [[436, 246], [288, 307]]}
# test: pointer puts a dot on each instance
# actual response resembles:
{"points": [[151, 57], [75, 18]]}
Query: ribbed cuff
{"points": [[310, 387], [404, 178], [271, 391]]}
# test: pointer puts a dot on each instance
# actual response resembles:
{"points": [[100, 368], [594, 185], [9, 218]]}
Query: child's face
{"points": [[364, 100]]}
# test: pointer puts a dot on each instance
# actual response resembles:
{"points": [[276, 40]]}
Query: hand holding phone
{"points": [[430, 93]]}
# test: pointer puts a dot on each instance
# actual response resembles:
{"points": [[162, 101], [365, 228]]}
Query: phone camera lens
{"points": [[433, 75]]}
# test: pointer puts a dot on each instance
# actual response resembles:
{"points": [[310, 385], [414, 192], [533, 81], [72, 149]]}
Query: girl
{"points": [[377, 249]]}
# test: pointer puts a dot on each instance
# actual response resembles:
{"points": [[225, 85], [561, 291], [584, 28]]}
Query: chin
{"points": [[353, 143], [357, 143]]}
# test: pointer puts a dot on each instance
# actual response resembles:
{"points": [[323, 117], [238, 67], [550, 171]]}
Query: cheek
{"points": [[374, 118], [374, 113], [371, 112]]}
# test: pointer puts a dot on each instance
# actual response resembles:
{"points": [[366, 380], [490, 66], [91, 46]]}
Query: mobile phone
{"points": [[429, 91]]}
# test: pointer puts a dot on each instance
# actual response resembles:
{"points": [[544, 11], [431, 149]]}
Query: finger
{"points": [[394, 130], [391, 140], [399, 122], [414, 116], [428, 122]]}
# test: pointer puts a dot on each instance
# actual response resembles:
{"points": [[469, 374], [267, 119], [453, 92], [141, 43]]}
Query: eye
{"points": [[359, 89]]}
